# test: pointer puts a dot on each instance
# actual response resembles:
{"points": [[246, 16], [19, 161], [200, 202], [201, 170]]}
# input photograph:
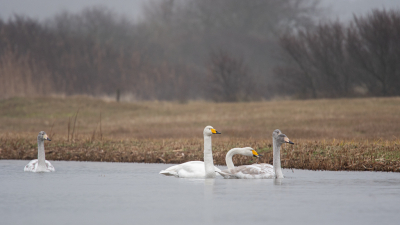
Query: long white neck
{"points": [[229, 155], [277, 159], [41, 158], [208, 158]]}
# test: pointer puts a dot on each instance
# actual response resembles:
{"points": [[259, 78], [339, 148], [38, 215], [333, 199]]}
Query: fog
{"points": [[219, 50], [41, 9]]}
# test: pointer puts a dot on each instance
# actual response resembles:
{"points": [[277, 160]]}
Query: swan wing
{"points": [[31, 166], [191, 169], [49, 166], [255, 171]]}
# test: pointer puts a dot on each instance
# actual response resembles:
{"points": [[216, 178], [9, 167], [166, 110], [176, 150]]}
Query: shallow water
{"points": [[132, 193]]}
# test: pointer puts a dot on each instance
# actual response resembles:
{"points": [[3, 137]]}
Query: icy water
{"points": [[131, 193]]}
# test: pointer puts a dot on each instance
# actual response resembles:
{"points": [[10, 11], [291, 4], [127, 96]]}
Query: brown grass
{"points": [[316, 155], [346, 134]]}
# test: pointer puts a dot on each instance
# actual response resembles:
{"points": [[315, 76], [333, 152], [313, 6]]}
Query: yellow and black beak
{"points": [[255, 154], [214, 131], [45, 137]]}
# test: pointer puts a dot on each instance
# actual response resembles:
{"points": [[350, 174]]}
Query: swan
{"points": [[197, 169], [40, 164], [246, 151], [261, 171]]}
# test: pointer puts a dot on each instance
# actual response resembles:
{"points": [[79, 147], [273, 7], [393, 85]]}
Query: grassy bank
{"points": [[346, 134], [314, 155]]}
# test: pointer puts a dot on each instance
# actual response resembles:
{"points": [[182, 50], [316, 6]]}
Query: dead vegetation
{"points": [[347, 134], [313, 155]]}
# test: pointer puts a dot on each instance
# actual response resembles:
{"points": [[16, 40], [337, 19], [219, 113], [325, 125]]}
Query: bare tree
{"points": [[228, 78], [330, 60], [247, 28], [299, 70], [374, 46]]}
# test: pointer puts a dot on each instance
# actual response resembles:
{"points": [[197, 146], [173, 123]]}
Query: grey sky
{"points": [[344, 9], [42, 9]]}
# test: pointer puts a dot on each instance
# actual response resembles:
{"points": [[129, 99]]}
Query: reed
{"points": [[312, 155], [347, 134]]}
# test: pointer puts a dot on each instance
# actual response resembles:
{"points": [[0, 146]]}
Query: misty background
{"points": [[221, 50]]}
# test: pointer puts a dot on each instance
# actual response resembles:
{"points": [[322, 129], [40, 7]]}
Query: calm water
{"points": [[130, 193]]}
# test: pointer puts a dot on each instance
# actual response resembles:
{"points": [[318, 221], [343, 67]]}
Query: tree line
{"points": [[82, 54], [221, 50], [335, 60], [168, 55]]}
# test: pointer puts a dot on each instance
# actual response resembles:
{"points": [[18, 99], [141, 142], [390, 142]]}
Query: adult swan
{"points": [[40, 164], [246, 151], [261, 171], [197, 169]]}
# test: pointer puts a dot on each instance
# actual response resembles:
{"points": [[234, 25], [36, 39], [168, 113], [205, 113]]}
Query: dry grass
{"points": [[345, 134], [316, 155]]}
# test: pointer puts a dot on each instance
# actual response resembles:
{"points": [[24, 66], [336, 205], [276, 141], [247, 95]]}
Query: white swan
{"points": [[197, 169], [261, 171], [40, 164], [246, 151]]}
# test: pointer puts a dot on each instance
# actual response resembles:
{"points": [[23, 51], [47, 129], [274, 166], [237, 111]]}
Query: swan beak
{"points": [[288, 141], [214, 131], [45, 137], [255, 154]]}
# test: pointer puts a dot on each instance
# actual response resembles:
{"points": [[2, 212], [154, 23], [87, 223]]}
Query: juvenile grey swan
{"points": [[261, 171], [197, 169], [40, 164]]}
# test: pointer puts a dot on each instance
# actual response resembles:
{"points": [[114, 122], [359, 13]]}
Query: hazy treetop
{"points": [[42, 9]]}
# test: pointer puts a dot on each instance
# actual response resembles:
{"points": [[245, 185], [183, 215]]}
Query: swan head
{"points": [[249, 151], [43, 136], [276, 133], [280, 138], [209, 130]]}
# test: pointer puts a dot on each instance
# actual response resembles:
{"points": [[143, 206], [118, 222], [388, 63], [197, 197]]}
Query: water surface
{"points": [[132, 193]]}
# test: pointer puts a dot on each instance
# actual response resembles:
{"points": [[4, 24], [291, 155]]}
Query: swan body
{"points": [[261, 171], [197, 169], [191, 169], [255, 171], [40, 164], [194, 169], [33, 166]]}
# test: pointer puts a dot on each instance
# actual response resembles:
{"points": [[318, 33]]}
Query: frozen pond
{"points": [[131, 193]]}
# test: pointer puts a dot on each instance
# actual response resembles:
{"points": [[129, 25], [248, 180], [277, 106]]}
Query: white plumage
{"points": [[40, 164], [191, 169], [255, 171], [197, 169], [32, 166]]}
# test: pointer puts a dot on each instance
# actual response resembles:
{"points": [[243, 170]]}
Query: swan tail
{"points": [[171, 171], [168, 173], [224, 174]]}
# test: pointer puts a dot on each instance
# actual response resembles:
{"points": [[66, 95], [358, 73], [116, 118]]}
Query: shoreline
{"points": [[310, 155]]}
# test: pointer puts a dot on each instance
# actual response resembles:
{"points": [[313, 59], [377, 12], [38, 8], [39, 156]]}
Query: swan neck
{"points": [[277, 159], [229, 156], [41, 157], [208, 158]]}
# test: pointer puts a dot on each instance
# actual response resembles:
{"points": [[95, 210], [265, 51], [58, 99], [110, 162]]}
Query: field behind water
{"points": [[340, 134]]}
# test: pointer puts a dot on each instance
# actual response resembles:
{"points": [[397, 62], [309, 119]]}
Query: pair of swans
{"points": [[40, 164], [206, 169]]}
